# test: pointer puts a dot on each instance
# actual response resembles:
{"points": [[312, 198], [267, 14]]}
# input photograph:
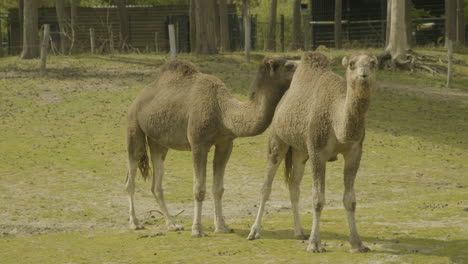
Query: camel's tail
{"points": [[288, 167], [137, 150]]}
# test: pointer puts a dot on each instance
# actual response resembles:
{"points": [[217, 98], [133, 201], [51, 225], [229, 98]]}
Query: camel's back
{"points": [[164, 107]]}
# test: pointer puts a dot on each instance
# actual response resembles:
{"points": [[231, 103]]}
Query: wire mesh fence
{"points": [[148, 30]]}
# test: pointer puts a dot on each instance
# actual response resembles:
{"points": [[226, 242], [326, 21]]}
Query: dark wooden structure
{"points": [[144, 23], [364, 21]]}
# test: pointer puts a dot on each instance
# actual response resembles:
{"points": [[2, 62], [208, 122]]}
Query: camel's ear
{"points": [[374, 61], [271, 65], [345, 61]]}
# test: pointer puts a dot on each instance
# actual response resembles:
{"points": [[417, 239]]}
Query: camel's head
{"points": [[360, 72], [274, 76], [279, 69]]}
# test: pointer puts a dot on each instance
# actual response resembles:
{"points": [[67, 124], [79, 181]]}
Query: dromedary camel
{"points": [[185, 109], [322, 115]]}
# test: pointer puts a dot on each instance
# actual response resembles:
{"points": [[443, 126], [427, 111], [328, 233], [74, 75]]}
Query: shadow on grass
{"points": [[453, 249]]}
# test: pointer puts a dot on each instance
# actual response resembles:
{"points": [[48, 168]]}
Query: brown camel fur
{"points": [[322, 115], [185, 109]]}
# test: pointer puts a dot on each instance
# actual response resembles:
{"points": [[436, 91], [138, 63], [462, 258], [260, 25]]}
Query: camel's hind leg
{"points": [[318, 173], [352, 160], [221, 157], [130, 186], [298, 163], [276, 151], [158, 154]]}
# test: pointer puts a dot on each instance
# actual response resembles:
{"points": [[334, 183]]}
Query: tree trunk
{"points": [[205, 27], [216, 24], [338, 11], [124, 27], [461, 22], [450, 20], [73, 21], [397, 45], [246, 16], [409, 35], [297, 31], [20, 18], [192, 22], [30, 36], [63, 25], [271, 33], [224, 26], [389, 21]]}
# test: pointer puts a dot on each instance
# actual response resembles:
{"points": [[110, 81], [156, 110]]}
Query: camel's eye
{"points": [[352, 65], [372, 64]]}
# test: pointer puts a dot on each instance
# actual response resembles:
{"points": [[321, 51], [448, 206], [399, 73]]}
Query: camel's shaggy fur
{"points": [[322, 115], [185, 109]]}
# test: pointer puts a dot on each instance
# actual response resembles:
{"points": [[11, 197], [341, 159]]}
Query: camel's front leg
{"points": [[352, 160], [298, 163], [199, 156], [318, 173], [158, 154], [276, 152], [221, 157]]}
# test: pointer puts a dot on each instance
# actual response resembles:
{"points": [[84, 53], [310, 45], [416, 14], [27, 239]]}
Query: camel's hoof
{"points": [[197, 231], [301, 236], [198, 235], [254, 234], [316, 248], [136, 227], [362, 249], [174, 227], [224, 230]]}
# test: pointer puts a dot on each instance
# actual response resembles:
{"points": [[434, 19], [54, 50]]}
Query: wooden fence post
{"points": [[156, 46], [450, 63], [44, 48], [172, 41], [91, 38]]}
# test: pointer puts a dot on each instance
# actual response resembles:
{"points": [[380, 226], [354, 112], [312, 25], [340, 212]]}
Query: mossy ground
{"points": [[63, 163]]}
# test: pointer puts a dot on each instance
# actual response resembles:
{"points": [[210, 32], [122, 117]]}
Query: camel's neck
{"points": [[350, 125], [251, 118]]}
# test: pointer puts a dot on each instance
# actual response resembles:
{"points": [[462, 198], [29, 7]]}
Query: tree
{"points": [[450, 20], [246, 16], [192, 23], [63, 23], [30, 36], [297, 42], [271, 33], [397, 45], [409, 37], [73, 21], [124, 27], [20, 16], [205, 27], [388, 21], [460, 38], [224, 26], [338, 11]]}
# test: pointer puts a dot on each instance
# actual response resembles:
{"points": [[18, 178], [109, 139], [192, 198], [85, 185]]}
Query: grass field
{"points": [[63, 165]]}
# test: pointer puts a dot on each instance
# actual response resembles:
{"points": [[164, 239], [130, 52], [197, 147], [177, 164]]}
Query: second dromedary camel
{"points": [[185, 109], [322, 115]]}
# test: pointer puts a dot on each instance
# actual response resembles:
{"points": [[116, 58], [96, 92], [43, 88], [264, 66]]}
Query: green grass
{"points": [[63, 163]]}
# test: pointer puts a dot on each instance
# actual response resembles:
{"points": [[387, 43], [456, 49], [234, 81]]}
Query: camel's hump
{"points": [[315, 60], [180, 66]]}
